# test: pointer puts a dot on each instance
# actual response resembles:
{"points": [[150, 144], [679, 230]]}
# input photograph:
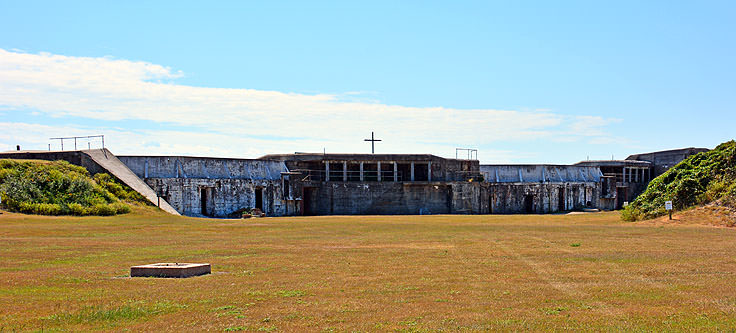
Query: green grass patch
{"points": [[127, 312]]}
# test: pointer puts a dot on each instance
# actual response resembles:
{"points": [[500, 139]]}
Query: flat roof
{"points": [[356, 157], [613, 163], [671, 151], [189, 157]]}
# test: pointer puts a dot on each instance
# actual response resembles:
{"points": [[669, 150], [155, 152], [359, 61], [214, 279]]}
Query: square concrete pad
{"points": [[170, 270]]}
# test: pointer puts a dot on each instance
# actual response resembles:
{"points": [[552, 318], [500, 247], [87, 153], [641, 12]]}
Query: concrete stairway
{"points": [[105, 159]]}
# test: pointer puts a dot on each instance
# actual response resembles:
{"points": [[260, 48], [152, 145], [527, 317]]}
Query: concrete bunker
{"points": [[219, 187], [321, 184]]}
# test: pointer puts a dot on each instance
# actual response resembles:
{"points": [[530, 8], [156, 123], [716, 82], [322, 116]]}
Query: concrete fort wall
{"points": [[540, 198], [540, 188], [392, 198], [452, 198], [349, 165], [539, 173], [203, 167], [217, 187], [223, 197]]}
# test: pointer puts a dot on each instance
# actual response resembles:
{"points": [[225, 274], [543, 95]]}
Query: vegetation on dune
{"points": [[121, 191], [708, 177], [60, 188]]}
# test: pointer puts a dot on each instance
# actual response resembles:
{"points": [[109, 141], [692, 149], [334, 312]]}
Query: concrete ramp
{"points": [[105, 159]]}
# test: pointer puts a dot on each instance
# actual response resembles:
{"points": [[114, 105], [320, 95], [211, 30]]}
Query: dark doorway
{"points": [[490, 203], [259, 198], [620, 197], [561, 199], [529, 203], [203, 200], [206, 197], [307, 200], [449, 199]]}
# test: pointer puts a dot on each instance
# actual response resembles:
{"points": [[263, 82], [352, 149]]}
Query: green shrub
{"points": [[628, 214], [702, 178], [77, 209], [102, 210], [120, 191], [4, 174], [120, 208], [40, 208]]}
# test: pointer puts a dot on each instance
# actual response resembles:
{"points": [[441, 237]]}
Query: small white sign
{"points": [[668, 205], [626, 203]]}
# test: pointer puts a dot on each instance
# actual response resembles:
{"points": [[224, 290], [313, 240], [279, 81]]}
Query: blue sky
{"points": [[521, 81]]}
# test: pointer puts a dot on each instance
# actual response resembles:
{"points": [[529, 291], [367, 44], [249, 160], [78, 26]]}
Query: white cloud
{"points": [[239, 122]]}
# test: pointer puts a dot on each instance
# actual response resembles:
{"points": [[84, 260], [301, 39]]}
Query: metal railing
{"points": [[471, 153], [89, 145]]}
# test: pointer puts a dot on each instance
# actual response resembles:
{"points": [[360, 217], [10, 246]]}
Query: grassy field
{"points": [[369, 273]]}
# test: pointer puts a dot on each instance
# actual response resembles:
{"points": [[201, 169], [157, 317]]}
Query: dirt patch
{"points": [[708, 215]]}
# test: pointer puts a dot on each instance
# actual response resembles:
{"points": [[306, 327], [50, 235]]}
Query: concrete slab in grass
{"points": [[170, 270]]}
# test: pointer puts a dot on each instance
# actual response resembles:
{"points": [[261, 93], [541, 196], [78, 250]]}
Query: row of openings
{"points": [[371, 172]]}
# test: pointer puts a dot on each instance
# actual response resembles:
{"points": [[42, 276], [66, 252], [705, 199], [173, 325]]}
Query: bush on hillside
{"points": [[60, 188], [120, 191], [700, 179]]}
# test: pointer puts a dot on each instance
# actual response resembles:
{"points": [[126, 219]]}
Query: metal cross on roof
{"points": [[373, 143]]}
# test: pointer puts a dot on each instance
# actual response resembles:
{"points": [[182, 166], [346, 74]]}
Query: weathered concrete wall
{"points": [[203, 167], [346, 198], [217, 187], [538, 173], [540, 198], [469, 198], [540, 188], [663, 160], [222, 197], [630, 177], [442, 169]]}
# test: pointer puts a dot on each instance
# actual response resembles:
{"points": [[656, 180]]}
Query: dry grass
{"points": [[371, 273], [711, 215]]}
